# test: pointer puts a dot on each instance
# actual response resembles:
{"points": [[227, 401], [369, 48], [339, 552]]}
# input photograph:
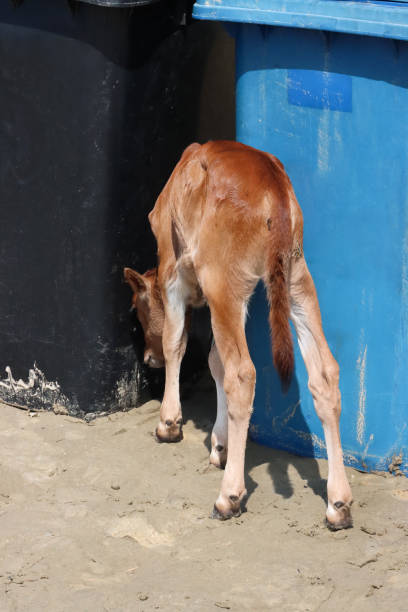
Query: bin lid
{"points": [[381, 18]]}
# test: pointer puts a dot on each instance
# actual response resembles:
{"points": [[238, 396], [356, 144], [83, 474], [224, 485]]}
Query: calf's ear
{"points": [[135, 280]]}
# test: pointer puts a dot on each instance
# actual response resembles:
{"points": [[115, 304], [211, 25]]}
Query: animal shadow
{"points": [[199, 406]]}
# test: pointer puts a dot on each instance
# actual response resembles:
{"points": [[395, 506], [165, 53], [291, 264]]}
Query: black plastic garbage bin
{"points": [[96, 105]]}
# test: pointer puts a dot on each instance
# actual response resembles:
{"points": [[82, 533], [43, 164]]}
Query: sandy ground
{"points": [[100, 517]]}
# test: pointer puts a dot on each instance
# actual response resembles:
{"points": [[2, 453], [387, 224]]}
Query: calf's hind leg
{"points": [[323, 374], [228, 323]]}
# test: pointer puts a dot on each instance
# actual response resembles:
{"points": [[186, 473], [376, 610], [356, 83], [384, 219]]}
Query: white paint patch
{"points": [[36, 393], [310, 437], [323, 140], [281, 421], [349, 458], [127, 389], [361, 366], [365, 451], [35, 378]]}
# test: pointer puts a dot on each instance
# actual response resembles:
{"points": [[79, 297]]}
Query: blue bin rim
{"points": [[384, 19]]}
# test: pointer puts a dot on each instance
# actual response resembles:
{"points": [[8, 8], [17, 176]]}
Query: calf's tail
{"points": [[276, 281]]}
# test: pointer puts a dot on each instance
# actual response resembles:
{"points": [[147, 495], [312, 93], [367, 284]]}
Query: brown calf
{"points": [[227, 217]]}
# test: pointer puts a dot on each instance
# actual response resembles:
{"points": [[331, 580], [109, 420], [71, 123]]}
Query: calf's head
{"points": [[147, 302]]}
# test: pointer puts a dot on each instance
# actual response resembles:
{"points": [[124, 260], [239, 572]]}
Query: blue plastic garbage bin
{"points": [[324, 86]]}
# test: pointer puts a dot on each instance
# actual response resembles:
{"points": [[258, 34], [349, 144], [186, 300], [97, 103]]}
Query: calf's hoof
{"points": [[225, 509], [170, 431], [338, 516], [218, 456], [221, 516]]}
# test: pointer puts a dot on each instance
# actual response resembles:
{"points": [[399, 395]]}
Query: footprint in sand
{"points": [[136, 527], [401, 494]]}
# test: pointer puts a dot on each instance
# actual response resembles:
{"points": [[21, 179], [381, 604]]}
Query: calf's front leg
{"points": [[219, 435], [170, 425]]}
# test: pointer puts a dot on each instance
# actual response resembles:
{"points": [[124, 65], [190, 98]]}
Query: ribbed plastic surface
{"points": [[385, 19]]}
